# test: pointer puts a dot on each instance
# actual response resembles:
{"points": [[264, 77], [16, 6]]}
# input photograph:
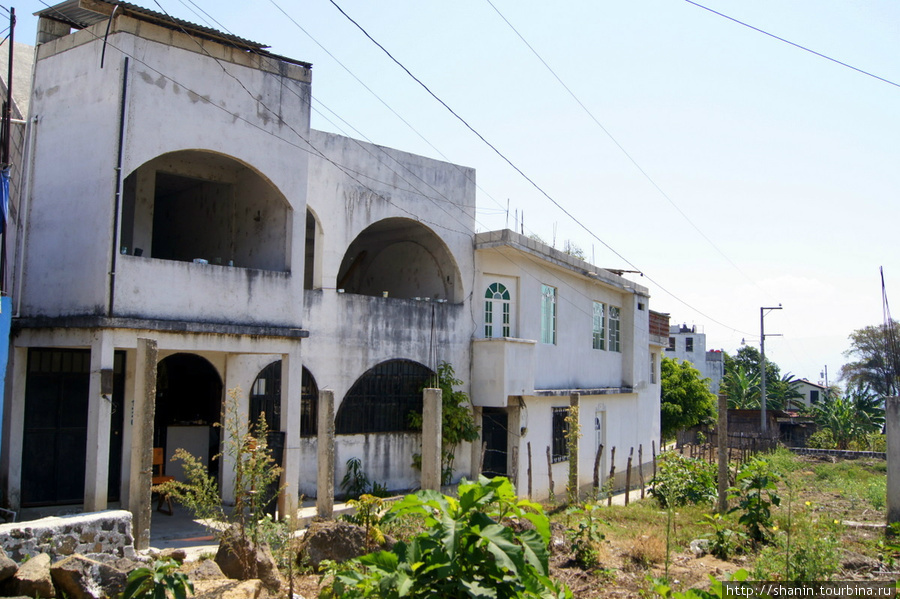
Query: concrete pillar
{"points": [[574, 411], [723, 454], [96, 476], [15, 437], [325, 455], [291, 393], [892, 424], [139, 503], [235, 366], [431, 439]]}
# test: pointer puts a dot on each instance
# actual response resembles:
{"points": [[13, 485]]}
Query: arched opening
{"points": [[496, 311], [196, 205], [382, 399], [402, 258], [188, 404], [265, 398], [312, 265]]}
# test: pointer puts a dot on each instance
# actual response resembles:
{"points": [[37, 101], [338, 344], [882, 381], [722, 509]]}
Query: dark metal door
{"points": [[55, 427], [494, 436]]}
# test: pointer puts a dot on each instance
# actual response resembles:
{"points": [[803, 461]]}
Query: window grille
{"points": [[382, 399], [559, 450]]}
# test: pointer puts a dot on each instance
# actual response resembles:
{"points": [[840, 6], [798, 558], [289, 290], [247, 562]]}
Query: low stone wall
{"points": [[60, 536]]}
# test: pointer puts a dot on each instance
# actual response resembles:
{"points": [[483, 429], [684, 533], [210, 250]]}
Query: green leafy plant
{"points": [[808, 549], [585, 537], [457, 420], [756, 494], [369, 514], [716, 588], [467, 550], [723, 540], [160, 581], [681, 480], [573, 435], [255, 477], [355, 482]]}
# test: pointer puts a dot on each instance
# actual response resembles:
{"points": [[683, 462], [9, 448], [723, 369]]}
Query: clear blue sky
{"points": [[779, 170]]}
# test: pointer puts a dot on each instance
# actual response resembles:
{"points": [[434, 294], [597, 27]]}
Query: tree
{"points": [[877, 351], [741, 388], [741, 382], [686, 399], [850, 416]]}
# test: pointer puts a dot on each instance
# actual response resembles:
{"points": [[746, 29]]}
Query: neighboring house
{"points": [[812, 393], [689, 345], [550, 327], [203, 217]]}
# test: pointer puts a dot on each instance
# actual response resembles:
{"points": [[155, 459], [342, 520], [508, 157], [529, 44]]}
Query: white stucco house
{"points": [[812, 393], [552, 327], [688, 344], [176, 198]]}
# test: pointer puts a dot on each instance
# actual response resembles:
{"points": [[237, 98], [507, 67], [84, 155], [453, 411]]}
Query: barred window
{"points": [[382, 399], [265, 398], [559, 450]]}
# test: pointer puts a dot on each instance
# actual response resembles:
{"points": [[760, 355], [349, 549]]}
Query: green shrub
{"points": [[822, 439], [466, 550], [756, 494], [161, 581], [681, 481], [807, 550]]}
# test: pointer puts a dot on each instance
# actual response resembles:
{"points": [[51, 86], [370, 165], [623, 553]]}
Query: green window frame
{"points": [[496, 292], [615, 334], [548, 314]]}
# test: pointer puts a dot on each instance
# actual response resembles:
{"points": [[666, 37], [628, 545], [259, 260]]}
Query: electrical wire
{"points": [[794, 44]]}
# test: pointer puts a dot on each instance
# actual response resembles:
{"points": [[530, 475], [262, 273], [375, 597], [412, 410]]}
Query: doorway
{"points": [[188, 405], [54, 447], [494, 435]]}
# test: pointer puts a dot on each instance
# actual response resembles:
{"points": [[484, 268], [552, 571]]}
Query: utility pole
{"points": [[762, 363]]}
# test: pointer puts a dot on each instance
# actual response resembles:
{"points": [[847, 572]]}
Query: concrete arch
{"points": [[403, 258], [189, 392], [199, 204], [381, 399], [314, 242], [265, 398]]}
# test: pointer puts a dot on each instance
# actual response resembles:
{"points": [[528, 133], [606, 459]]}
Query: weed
{"points": [[756, 494], [159, 581], [586, 536], [680, 481]]}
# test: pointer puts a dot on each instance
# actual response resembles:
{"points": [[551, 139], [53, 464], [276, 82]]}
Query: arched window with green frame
{"points": [[496, 311]]}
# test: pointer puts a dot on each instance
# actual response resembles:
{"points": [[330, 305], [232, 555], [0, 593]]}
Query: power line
{"points": [[513, 165], [794, 44]]}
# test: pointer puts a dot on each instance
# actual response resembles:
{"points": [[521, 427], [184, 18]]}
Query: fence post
{"points": [[612, 474], [597, 470], [550, 475], [628, 476], [529, 470], [641, 467], [723, 454]]}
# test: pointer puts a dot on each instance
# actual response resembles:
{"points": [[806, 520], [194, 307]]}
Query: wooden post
{"points": [[612, 474], [628, 476], [481, 458], [723, 454], [653, 446], [529, 470], [514, 475], [550, 475], [597, 470], [641, 467]]}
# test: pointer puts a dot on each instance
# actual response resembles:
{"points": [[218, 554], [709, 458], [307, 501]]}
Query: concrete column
{"points": [[15, 437], [723, 454], [235, 367], [139, 503], [892, 424], [431, 439], [96, 476], [291, 393], [574, 410], [325, 455]]}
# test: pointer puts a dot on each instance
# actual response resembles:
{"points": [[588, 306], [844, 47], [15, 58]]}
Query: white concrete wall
{"points": [[350, 333], [572, 362], [177, 99]]}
